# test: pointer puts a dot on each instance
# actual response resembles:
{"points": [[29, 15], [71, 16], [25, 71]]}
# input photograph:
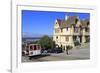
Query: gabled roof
{"points": [[59, 21], [85, 23], [71, 21]]}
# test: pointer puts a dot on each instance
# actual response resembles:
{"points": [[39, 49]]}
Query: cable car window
{"points": [[31, 48], [38, 47], [34, 47]]}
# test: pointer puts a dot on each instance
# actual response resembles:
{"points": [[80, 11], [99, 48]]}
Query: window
{"points": [[61, 30], [67, 38], [56, 22], [76, 20], [31, 48], [74, 38], [67, 29], [56, 37], [38, 47], [57, 30], [34, 47], [76, 29], [87, 29]]}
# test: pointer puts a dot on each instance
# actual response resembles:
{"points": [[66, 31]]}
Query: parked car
{"points": [[24, 52], [44, 51], [55, 50]]}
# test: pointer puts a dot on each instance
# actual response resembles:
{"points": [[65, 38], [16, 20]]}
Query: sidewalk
{"points": [[82, 52]]}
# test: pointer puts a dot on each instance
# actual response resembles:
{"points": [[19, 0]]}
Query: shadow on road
{"points": [[39, 56]]}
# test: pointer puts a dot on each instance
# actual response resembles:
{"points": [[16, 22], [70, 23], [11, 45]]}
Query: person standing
{"points": [[67, 50]]}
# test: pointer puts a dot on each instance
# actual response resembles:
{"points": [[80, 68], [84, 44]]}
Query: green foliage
{"points": [[69, 47], [23, 46], [87, 40], [76, 43], [46, 42]]}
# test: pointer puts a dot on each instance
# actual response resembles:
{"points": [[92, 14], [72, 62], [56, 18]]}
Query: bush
{"points": [[76, 43], [87, 40], [46, 42], [69, 47]]}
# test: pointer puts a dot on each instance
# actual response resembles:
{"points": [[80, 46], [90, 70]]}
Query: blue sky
{"points": [[42, 22]]}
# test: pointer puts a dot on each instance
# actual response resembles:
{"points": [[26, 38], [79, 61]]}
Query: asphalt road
{"points": [[75, 54]]}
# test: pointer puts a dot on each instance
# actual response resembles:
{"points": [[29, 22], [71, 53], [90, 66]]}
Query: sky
{"points": [[42, 22]]}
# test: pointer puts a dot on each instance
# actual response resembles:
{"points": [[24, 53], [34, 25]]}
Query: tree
{"points": [[46, 42], [23, 46]]}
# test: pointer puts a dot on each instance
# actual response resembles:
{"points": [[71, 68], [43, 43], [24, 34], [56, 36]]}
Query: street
{"points": [[74, 54]]}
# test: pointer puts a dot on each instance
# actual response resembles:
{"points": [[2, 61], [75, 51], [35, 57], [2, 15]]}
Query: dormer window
{"points": [[88, 24], [87, 29], [56, 22], [67, 29], [76, 20], [56, 37], [76, 29], [57, 30], [61, 30], [67, 38]]}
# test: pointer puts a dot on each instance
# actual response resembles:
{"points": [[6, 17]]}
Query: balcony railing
{"points": [[78, 32]]}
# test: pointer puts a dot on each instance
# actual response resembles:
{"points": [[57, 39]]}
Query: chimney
{"points": [[66, 17]]}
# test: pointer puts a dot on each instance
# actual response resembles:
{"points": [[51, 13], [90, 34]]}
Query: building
{"points": [[71, 31]]}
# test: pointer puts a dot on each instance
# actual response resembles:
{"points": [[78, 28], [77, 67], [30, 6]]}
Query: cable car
{"points": [[34, 49]]}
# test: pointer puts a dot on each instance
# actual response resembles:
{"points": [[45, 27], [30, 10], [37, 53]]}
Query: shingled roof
{"points": [[59, 21], [85, 23], [71, 20]]}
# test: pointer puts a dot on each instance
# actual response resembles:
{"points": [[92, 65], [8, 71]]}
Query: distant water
{"points": [[31, 38], [26, 39]]}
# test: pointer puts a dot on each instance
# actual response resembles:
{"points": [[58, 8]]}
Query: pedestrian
{"points": [[67, 50]]}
